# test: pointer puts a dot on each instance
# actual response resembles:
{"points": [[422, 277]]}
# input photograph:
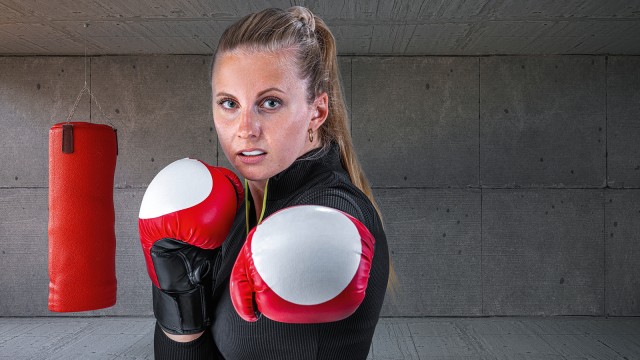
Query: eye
{"points": [[271, 103], [228, 104]]}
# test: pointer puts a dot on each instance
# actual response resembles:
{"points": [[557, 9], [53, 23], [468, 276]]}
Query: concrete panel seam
{"points": [[128, 187], [604, 253], [480, 186], [90, 89], [606, 122], [481, 258], [23, 187], [500, 187], [479, 126], [606, 183]]}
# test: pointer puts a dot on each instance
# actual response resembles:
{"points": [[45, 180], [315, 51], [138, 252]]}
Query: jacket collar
{"points": [[304, 169]]}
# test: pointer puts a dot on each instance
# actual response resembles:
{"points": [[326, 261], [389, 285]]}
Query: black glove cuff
{"points": [[181, 313]]}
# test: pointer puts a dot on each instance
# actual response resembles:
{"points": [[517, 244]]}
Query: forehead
{"points": [[254, 67]]}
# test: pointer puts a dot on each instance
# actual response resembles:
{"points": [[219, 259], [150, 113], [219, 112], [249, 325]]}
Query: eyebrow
{"points": [[259, 94]]}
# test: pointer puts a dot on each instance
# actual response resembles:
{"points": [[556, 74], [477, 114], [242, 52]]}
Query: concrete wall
{"points": [[492, 173]]}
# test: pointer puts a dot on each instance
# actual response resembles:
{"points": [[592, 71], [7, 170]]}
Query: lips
{"points": [[251, 156]]}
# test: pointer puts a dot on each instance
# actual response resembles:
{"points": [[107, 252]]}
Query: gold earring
{"points": [[310, 135]]}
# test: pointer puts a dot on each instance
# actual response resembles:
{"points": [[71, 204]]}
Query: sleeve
{"points": [[347, 200]]}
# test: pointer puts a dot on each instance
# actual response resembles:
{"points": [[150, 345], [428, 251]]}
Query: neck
{"points": [[316, 144], [256, 189]]}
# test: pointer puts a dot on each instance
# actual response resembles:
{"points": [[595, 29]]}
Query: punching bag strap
{"points": [[67, 139]]}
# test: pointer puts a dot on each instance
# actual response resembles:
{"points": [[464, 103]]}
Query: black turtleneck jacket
{"points": [[316, 178]]}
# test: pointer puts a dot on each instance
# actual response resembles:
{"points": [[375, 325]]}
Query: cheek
{"points": [[222, 125], [294, 138], [222, 133]]}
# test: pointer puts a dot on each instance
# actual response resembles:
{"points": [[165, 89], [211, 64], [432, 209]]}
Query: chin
{"points": [[252, 174]]}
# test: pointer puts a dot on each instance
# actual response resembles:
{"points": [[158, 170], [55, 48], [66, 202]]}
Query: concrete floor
{"points": [[396, 338]]}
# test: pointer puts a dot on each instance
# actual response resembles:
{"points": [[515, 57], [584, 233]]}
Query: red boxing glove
{"points": [[185, 216], [303, 264]]}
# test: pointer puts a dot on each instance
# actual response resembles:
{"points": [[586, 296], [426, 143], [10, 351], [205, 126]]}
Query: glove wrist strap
{"points": [[181, 312]]}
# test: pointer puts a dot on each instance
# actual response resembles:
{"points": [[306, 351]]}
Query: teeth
{"points": [[252, 153]]}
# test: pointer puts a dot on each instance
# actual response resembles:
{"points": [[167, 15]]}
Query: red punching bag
{"points": [[82, 241]]}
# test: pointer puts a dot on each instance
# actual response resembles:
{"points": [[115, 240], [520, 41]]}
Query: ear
{"points": [[320, 111]]}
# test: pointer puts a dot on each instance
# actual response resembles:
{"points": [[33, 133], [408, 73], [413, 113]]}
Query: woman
{"points": [[281, 120]]}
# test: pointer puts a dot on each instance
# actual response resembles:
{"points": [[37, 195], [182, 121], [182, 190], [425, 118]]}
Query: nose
{"points": [[249, 125]]}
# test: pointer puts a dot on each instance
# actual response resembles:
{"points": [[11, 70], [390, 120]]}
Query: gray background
{"points": [[509, 184], [492, 173]]}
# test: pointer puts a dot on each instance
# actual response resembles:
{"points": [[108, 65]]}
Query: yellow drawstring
{"points": [[246, 203]]}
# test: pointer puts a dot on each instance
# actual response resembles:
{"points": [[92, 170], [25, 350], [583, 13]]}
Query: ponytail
{"points": [[327, 79]]}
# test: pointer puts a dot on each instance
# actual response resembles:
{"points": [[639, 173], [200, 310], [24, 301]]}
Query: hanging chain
{"points": [[86, 87]]}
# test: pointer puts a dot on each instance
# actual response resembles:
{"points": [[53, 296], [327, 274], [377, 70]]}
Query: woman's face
{"points": [[261, 113]]}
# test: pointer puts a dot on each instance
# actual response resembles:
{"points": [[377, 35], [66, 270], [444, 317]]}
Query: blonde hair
{"points": [[314, 46]]}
